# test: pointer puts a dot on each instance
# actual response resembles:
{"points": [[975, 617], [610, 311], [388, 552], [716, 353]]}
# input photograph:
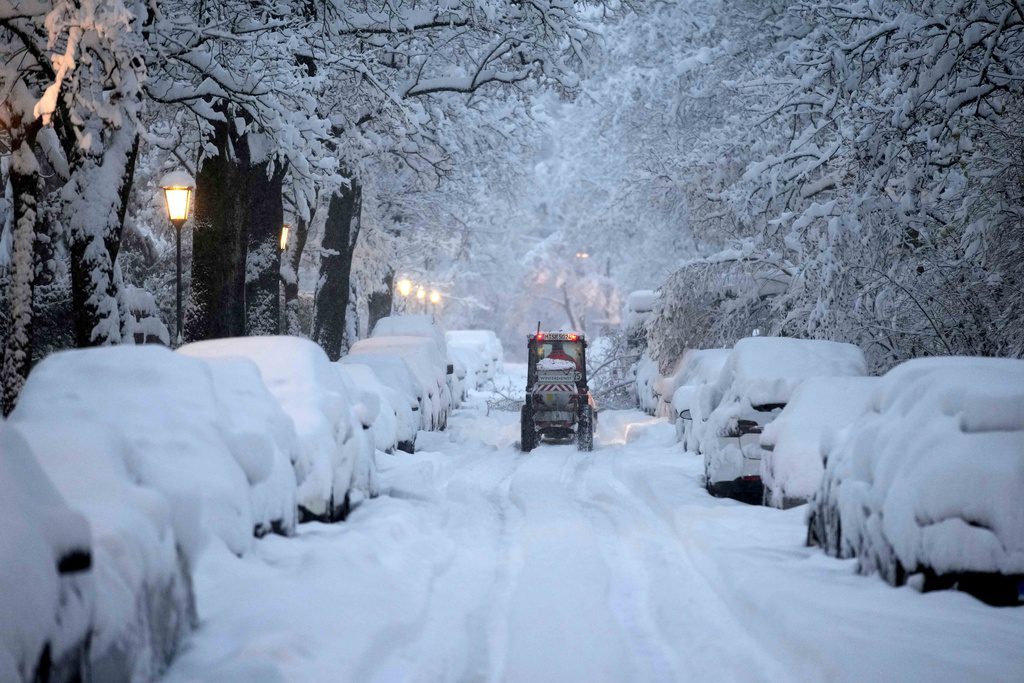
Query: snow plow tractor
{"points": [[559, 406]]}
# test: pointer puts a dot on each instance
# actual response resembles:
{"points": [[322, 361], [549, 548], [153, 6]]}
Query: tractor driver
{"points": [[558, 353]]}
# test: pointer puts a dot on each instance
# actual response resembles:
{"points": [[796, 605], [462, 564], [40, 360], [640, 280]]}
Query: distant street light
{"points": [[435, 297], [285, 229], [404, 287], [582, 255], [421, 296], [177, 187]]}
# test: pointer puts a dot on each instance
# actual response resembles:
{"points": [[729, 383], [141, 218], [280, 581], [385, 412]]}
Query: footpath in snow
{"points": [[481, 563]]}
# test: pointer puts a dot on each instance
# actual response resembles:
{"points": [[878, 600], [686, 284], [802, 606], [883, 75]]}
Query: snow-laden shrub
{"points": [[47, 587], [310, 391], [793, 460], [928, 480]]}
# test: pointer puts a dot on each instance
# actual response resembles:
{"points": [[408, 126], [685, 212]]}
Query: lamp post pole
{"points": [[177, 287], [177, 187]]}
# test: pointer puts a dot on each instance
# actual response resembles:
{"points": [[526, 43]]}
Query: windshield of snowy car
{"points": [[561, 350]]}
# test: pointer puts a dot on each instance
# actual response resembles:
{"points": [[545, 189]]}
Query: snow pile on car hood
{"points": [[932, 474], [792, 469]]}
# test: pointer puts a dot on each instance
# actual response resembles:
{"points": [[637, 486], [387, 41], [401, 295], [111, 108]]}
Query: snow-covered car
{"points": [[427, 365], [486, 344], [423, 326], [925, 486], [637, 311], [394, 372], [388, 426], [47, 583], [792, 459], [310, 391], [757, 380], [696, 369], [647, 375]]}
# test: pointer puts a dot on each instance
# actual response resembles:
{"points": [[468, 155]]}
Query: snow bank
{"points": [[46, 584], [929, 479], [793, 461], [310, 391]]}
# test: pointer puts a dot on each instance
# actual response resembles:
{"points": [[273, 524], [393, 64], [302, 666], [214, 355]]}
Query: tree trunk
{"points": [[25, 185], [290, 276], [341, 230], [263, 263], [380, 302], [94, 218]]}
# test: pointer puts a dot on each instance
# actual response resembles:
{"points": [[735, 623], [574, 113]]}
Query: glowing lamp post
{"points": [[404, 287], [435, 297], [285, 229], [178, 187]]}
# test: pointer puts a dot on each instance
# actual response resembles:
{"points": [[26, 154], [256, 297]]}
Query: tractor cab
{"points": [[558, 405]]}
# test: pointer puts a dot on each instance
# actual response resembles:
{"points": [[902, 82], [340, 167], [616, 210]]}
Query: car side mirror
{"points": [[747, 427], [451, 369]]}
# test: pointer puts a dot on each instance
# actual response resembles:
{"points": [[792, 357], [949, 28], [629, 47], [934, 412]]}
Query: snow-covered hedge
{"points": [[926, 485], [311, 392], [47, 588], [793, 459], [757, 380]]}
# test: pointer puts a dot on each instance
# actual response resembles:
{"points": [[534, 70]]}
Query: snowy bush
{"points": [[925, 486], [757, 380], [311, 392], [47, 583], [793, 459]]}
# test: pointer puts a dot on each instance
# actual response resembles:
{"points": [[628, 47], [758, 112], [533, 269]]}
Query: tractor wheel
{"points": [[585, 430], [528, 437]]}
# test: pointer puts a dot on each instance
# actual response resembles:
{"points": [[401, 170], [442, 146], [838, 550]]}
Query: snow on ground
{"points": [[485, 564]]}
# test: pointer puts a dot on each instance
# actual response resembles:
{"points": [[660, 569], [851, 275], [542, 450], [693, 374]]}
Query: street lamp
{"points": [[285, 229], [404, 286], [177, 187], [435, 297]]}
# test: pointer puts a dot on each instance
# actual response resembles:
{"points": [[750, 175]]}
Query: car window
{"points": [[565, 350]]}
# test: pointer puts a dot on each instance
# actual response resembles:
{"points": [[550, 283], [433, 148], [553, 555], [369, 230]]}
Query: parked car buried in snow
{"points": [[925, 486], [756, 382]]}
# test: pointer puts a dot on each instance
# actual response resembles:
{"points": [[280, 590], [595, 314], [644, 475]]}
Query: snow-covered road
{"points": [[485, 564]]}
